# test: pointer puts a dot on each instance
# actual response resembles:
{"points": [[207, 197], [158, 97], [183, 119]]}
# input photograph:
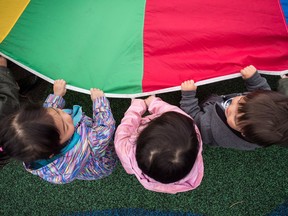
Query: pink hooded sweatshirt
{"points": [[125, 144]]}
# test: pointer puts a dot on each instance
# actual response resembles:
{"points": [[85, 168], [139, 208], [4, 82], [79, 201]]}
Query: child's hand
{"points": [[188, 85], [248, 72], [149, 100], [96, 93], [3, 61], [59, 87]]}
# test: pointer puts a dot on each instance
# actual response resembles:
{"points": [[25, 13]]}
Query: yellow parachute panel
{"points": [[10, 11]]}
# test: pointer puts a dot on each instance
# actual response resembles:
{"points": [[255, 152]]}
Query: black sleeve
{"points": [[9, 93]]}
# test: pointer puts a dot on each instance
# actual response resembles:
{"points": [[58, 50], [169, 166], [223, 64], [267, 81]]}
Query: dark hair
{"points": [[30, 134], [263, 117], [167, 148]]}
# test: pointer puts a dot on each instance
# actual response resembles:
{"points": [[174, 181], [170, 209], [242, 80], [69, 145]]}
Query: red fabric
{"points": [[201, 39]]}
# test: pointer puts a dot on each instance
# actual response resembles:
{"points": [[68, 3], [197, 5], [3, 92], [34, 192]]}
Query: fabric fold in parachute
{"points": [[132, 48]]}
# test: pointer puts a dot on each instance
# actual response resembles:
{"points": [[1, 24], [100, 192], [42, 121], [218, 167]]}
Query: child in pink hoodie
{"points": [[163, 149]]}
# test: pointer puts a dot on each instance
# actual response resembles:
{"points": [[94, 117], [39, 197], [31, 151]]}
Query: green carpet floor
{"points": [[234, 183]]}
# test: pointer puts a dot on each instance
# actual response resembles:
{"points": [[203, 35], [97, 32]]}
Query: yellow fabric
{"points": [[10, 11]]}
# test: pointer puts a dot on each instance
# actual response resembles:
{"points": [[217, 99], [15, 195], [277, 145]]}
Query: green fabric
{"points": [[98, 37]]}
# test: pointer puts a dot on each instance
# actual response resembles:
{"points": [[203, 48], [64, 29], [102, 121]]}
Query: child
{"points": [[9, 98], [163, 149], [62, 145], [240, 121]]}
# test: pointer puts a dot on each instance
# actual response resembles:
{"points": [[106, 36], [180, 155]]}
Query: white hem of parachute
{"points": [[166, 90]]}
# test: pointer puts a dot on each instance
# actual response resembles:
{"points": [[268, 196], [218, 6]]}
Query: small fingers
{"points": [[95, 89], [188, 85], [96, 93], [188, 82], [249, 68], [248, 71], [59, 87], [60, 81]]}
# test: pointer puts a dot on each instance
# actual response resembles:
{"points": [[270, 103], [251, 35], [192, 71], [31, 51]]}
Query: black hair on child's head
{"points": [[168, 147], [30, 134], [263, 117]]}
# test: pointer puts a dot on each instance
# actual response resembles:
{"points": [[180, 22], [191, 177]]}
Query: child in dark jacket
{"points": [[244, 121], [9, 98]]}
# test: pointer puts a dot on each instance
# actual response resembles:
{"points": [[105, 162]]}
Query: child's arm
{"points": [[189, 102], [124, 139], [103, 121], [157, 106], [253, 79], [56, 100], [283, 85]]}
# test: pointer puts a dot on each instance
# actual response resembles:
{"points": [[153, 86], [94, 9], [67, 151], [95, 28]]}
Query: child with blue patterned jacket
{"points": [[61, 145]]}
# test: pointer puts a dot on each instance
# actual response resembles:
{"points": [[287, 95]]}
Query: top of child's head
{"points": [[30, 134], [263, 118], [168, 147]]}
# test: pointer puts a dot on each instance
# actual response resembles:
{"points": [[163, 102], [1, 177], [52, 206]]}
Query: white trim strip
{"points": [[166, 90]]}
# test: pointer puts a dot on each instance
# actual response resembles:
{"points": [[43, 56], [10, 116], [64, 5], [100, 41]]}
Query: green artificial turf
{"points": [[234, 183]]}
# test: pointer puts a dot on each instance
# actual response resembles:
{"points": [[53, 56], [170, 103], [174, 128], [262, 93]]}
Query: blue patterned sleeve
{"points": [[54, 101], [103, 125]]}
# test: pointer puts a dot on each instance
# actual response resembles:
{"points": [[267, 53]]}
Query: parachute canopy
{"points": [[130, 48]]}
